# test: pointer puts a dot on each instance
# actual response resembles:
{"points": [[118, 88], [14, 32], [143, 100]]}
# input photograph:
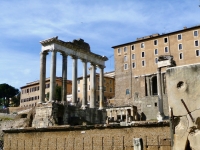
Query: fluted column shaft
{"points": [[53, 76], [160, 97], [64, 77], [93, 86], [84, 100], [42, 75], [101, 87], [74, 80]]}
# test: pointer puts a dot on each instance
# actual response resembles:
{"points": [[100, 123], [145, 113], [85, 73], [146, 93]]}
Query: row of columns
{"points": [[150, 84], [160, 115], [113, 113], [74, 80]]}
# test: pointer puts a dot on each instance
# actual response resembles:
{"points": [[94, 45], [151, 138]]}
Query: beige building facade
{"points": [[136, 67], [30, 92], [108, 84]]}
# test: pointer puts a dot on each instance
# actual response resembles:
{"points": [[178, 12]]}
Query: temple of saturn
{"points": [[77, 49]]}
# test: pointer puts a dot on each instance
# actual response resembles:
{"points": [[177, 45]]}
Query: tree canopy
{"points": [[7, 92]]}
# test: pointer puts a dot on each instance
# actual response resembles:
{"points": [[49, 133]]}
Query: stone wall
{"points": [[154, 136], [51, 114], [184, 100]]}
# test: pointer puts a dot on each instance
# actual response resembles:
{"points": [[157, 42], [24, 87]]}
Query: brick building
{"points": [[136, 67], [30, 92], [109, 87]]}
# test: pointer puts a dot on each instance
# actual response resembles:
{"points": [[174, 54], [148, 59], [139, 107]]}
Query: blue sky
{"points": [[101, 23]]}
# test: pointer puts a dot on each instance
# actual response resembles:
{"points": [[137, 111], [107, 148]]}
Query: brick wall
{"points": [[88, 138]]}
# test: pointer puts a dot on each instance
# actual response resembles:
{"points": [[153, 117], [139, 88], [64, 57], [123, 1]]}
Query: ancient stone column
{"points": [[84, 100], [64, 77], [101, 87], [151, 88], [93, 85], [74, 80], [53, 77], [148, 86], [160, 115], [42, 75]]}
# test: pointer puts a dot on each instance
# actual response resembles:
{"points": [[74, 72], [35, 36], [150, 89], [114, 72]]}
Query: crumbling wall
{"points": [[183, 86], [53, 114]]}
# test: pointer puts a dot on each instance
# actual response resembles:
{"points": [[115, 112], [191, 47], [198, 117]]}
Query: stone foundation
{"points": [[154, 136]]}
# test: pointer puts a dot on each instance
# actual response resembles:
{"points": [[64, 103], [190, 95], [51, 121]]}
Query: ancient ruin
{"points": [[183, 86]]}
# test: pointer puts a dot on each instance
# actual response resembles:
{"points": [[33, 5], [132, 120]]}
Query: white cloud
{"points": [[100, 23]]}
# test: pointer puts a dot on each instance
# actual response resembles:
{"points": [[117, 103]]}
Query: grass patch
{"points": [[5, 119]]}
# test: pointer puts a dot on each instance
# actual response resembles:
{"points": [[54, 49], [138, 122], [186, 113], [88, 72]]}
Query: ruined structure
{"points": [[77, 49], [183, 86], [123, 115], [51, 113]]}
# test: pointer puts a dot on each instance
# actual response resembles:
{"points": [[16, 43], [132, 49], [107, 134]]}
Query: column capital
{"points": [[84, 60], [159, 69], [92, 64], [74, 57], [63, 54], [44, 53], [101, 66]]}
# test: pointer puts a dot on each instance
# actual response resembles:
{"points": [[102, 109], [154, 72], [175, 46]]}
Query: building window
{"points": [[125, 58], [119, 51], [142, 54], [156, 60], [155, 42], [197, 53], [166, 50], [179, 37], [156, 51], [180, 46], [165, 40], [125, 50], [196, 43], [125, 66], [110, 81], [132, 47], [78, 81], [142, 45], [143, 63], [104, 88], [181, 56], [133, 65], [133, 56], [110, 89], [79, 89], [127, 91], [195, 33], [89, 87]]}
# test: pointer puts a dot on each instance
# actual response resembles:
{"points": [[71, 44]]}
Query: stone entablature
{"points": [[79, 49]]}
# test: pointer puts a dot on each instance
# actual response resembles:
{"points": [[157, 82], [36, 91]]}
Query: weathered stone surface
{"points": [[90, 137], [183, 86], [183, 83]]}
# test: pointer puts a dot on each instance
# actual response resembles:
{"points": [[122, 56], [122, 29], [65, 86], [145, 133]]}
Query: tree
{"points": [[57, 93], [7, 92], [16, 100]]}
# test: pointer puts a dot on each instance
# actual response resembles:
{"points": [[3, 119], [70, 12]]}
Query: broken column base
{"points": [[45, 115]]}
